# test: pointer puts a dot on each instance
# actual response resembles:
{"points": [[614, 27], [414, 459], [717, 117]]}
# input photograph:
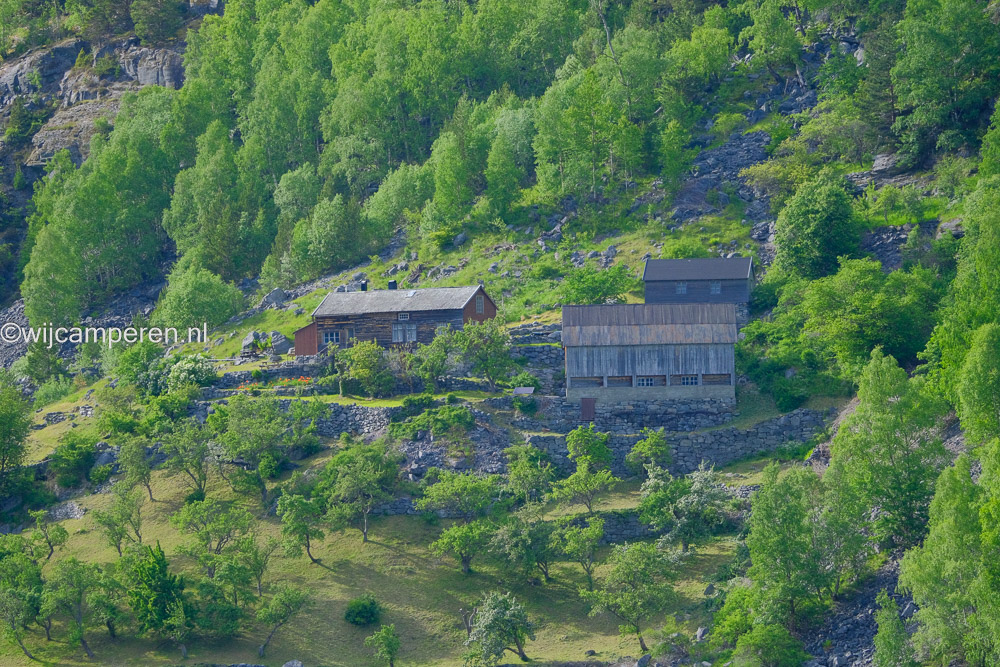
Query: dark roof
{"points": [[394, 301], [711, 268], [649, 324]]}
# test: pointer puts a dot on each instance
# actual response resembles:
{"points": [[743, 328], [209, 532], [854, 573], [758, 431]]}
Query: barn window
{"points": [[682, 288], [651, 381], [715, 287], [480, 304], [684, 380], [716, 378], [403, 317], [619, 380], [586, 382]]}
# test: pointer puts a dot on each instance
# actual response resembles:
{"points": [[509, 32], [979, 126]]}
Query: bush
{"points": [[526, 379], [769, 646], [727, 123], [189, 371], [73, 459], [446, 420], [363, 610], [588, 285], [53, 390], [100, 474]]}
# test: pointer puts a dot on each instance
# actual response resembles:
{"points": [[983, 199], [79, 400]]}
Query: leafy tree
{"points": [[503, 174], [135, 465], [784, 567], [892, 643], [216, 527], [432, 361], [385, 644], [687, 509], [66, 592], [979, 385], [588, 285], [365, 363], [636, 587], [589, 447], [583, 486], [188, 454], [15, 423], [155, 20], [652, 449], [500, 625], [579, 544], [463, 541], [486, 347], [888, 452], [529, 473], [250, 431], [523, 543], [301, 521], [107, 601], [357, 480], [469, 497], [195, 297], [121, 523], [815, 228], [154, 594], [771, 37], [769, 646], [20, 587], [49, 535], [286, 603], [942, 573]]}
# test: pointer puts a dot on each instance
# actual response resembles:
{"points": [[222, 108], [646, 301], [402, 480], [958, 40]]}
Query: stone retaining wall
{"points": [[718, 447]]}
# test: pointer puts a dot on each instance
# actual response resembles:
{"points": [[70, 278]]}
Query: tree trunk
{"points": [[466, 564], [364, 528], [520, 649], [642, 642], [83, 643], [263, 647], [20, 642], [47, 624], [111, 629], [184, 651], [149, 490]]}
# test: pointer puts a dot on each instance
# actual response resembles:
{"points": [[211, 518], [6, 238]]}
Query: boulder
{"points": [[459, 239], [293, 663], [279, 343], [886, 164], [274, 298], [249, 345]]}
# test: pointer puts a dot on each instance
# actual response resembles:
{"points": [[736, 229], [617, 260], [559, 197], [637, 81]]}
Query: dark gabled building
{"points": [[391, 317], [633, 352], [703, 280]]}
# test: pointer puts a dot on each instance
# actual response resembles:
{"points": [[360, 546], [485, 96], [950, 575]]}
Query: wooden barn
{"points": [[391, 317], [649, 351], [703, 280]]}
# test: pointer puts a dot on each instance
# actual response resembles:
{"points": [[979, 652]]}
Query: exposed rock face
{"points": [[702, 193], [71, 128], [47, 64]]}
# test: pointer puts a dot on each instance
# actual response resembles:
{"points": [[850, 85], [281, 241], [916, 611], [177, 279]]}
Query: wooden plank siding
{"points": [[617, 360], [698, 291], [378, 326]]}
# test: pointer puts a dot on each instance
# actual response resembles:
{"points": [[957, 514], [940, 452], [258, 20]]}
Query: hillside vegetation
{"points": [[545, 148]]}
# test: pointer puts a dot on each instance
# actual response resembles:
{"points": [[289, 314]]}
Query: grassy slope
{"points": [[421, 593]]}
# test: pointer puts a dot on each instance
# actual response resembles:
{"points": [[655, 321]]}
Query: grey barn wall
{"points": [[649, 360], [698, 291]]}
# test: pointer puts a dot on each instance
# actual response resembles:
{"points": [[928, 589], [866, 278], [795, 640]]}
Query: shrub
{"points": [[189, 371], [72, 460], [727, 123], [53, 390], [526, 379], [363, 610], [447, 420], [769, 646], [100, 474]]}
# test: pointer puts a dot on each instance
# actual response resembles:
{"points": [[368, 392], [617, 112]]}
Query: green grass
{"points": [[421, 594]]}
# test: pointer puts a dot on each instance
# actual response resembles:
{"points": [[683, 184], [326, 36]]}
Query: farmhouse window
{"points": [[715, 287], [684, 380], [398, 333], [350, 335], [403, 317], [480, 304], [682, 288], [411, 333], [716, 378], [331, 337]]}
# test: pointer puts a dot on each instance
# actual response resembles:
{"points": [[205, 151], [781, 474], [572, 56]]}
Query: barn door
{"points": [[587, 409]]}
